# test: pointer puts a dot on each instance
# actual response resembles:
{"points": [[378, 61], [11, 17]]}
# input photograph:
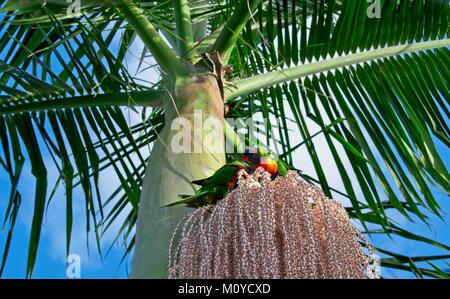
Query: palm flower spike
{"points": [[264, 228]]}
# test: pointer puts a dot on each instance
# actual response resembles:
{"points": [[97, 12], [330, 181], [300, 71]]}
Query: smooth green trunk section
{"points": [[163, 54], [183, 28], [169, 174], [258, 82], [232, 29], [135, 98]]}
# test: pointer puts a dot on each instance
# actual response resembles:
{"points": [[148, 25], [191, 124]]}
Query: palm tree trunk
{"points": [[169, 174]]}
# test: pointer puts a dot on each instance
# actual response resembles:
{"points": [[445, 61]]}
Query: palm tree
{"points": [[373, 76]]}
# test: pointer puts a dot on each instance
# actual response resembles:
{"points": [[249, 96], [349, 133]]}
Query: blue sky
{"points": [[51, 256]]}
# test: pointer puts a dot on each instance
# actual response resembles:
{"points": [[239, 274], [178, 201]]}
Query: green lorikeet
{"points": [[260, 158], [213, 188], [224, 180]]}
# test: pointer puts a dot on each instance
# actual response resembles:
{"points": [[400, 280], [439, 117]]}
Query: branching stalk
{"points": [[258, 82], [163, 54], [233, 28], [183, 28], [137, 98]]}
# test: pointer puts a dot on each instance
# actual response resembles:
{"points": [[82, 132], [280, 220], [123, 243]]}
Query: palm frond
{"points": [[397, 103]]}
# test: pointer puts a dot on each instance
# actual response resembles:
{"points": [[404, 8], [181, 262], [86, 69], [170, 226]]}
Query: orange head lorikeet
{"points": [[269, 164], [224, 180]]}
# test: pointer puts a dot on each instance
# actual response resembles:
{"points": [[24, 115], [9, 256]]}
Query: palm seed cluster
{"points": [[282, 228]]}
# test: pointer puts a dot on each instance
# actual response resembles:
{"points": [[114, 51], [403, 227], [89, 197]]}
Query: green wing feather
{"points": [[282, 167], [222, 176], [193, 200]]}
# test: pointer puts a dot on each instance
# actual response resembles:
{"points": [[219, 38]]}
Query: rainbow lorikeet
{"points": [[224, 180], [259, 158]]}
